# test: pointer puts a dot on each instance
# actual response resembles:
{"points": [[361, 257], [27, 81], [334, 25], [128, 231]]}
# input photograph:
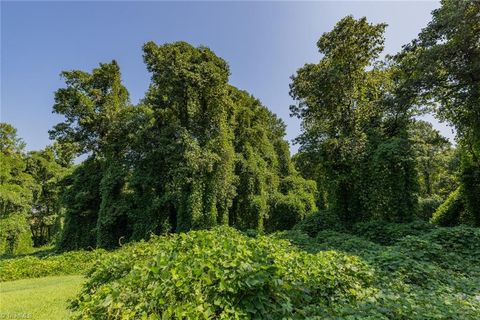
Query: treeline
{"points": [[197, 152], [31, 185]]}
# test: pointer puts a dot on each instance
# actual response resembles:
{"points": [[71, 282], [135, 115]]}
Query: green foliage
{"points": [[431, 275], [15, 193], [194, 154], [47, 169], [319, 221], [470, 179], [427, 206], [437, 161], [36, 266], [82, 202], [223, 274], [449, 212], [441, 70], [354, 142], [219, 274], [390, 183], [390, 233], [295, 203]]}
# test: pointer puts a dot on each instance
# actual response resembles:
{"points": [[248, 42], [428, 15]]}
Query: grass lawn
{"points": [[40, 298]]}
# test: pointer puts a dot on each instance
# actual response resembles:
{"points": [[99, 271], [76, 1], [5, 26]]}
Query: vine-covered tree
{"points": [[353, 132], [47, 167], [15, 192], [195, 153], [443, 71]]}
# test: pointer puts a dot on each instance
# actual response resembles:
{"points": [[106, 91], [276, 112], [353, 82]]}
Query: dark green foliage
{"points": [[47, 167], [295, 202], [189, 97], [470, 179], [16, 187], [433, 274], [390, 182], [441, 70], [82, 200], [437, 161], [194, 154], [220, 274], [319, 221], [427, 206]]}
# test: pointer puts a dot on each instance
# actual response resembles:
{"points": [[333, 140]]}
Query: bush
{"points": [[286, 211], [219, 274], [333, 240], [50, 265]]}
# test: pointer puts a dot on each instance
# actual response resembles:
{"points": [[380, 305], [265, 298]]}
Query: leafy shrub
{"points": [[50, 265], [286, 211], [219, 274]]}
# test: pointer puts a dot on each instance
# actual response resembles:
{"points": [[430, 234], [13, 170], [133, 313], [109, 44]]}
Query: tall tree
{"points": [[189, 96], [442, 70], [93, 105], [351, 127]]}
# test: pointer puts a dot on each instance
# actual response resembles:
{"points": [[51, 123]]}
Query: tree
{"points": [[436, 159], [47, 170], [93, 105], [195, 153], [81, 200], [271, 195], [441, 70], [353, 127], [189, 96], [15, 192]]}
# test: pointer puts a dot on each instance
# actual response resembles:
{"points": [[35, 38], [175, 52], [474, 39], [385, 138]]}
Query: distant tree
{"points": [[81, 200], [46, 212], [436, 159], [15, 192]]}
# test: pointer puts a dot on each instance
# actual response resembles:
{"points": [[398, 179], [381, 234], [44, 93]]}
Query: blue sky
{"points": [[264, 43]]}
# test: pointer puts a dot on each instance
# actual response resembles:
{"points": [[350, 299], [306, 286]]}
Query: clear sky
{"points": [[263, 42]]}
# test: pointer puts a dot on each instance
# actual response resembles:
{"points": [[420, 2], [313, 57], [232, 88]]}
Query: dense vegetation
{"points": [[376, 216], [427, 273]]}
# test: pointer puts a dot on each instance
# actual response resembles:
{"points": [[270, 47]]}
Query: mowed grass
{"points": [[40, 298]]}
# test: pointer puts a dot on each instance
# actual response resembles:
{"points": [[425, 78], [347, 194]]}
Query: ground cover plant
{"points": [[32, 266], [224, 274]]}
